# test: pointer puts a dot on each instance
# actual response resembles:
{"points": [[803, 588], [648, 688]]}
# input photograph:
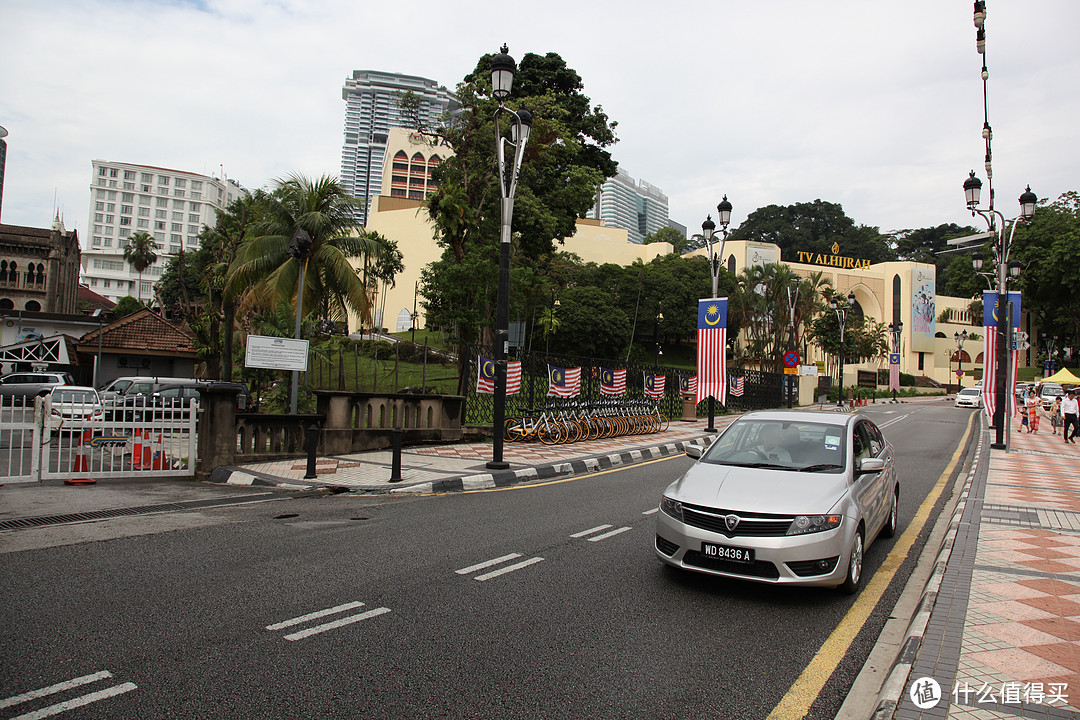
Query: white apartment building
{"points": [[633, 205], [371, 109], [171, 205]]}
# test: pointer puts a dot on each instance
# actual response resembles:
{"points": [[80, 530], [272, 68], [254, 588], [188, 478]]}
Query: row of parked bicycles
{"points": [[565, 422]]}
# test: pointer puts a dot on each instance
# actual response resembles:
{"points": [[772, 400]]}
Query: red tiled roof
{"points": [[143, 331], [95, 301]]}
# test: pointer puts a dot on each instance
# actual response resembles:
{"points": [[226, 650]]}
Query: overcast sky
{"points": [[874, 105]]}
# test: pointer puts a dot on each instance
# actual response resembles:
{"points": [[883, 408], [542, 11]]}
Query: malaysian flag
{"points": [[564, 382], [654, 385], [738, 386], [990, 323], [612, 382], [485, 376], [894, 371], [711, 349], [688, 385]]}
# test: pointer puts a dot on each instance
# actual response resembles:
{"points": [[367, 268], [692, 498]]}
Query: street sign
{"points": [[791, 371], [791, 359], [959, 373]]}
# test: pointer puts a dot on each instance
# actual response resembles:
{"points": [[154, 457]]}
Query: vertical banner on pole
{"points": [[991, 313], [712, 349]]}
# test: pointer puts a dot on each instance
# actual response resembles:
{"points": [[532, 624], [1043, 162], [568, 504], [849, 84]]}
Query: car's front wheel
{"points": [[855, 565]]}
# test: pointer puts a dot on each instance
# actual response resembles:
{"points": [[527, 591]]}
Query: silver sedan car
{"points": [[782, 497]]}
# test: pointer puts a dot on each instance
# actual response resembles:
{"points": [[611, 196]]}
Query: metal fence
{"points": [[761, 389]]}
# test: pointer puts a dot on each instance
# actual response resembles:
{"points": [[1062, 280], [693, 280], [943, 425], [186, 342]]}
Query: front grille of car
{"points": [[758, 568], [806, 568], [750, 524], [666, 546]]}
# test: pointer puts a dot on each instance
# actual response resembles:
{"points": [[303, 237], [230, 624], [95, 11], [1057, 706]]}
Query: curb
{"points": [[892, 690], [227, 475]]}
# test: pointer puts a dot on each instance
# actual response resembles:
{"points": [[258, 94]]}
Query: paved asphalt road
{"points": [[540, 601]]}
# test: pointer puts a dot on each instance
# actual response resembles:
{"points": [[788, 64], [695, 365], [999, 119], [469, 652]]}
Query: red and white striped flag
{"points": [[612, 382], [738, 386], [654, 385], [564, 382], [485, 376], [712, 349], [513, 377], [688, 385]]}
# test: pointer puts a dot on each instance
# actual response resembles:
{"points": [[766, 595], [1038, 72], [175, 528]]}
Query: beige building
{"points": [[401, 218], [888, 292]]}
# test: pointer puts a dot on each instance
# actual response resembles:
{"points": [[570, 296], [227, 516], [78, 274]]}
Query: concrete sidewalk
{"points": [[1003, 637], [461, 466]]}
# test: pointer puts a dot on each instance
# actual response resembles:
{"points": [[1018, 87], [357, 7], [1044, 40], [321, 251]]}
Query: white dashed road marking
{"points": [[601, 536], [498, 561], [67, 704], [341, 622]]}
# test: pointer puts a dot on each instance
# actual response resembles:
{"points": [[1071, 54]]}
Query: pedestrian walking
{"points": [[1023, 414], [1055, 414], [1034, 408], [1070, 411]]}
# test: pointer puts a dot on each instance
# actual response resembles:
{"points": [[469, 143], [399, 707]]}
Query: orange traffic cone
{"points": [[158, 461], [137, 452], [80, 466]]}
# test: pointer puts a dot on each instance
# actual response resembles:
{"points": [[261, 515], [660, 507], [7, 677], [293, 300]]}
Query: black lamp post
{"points": [[503, 68], [708, 229], [793, 300], [1051, 341], [841, 318], [895, 329], [960, 337]]}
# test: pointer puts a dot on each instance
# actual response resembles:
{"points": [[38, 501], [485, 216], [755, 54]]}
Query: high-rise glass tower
{"points": [[635, 205], [371, 109]]}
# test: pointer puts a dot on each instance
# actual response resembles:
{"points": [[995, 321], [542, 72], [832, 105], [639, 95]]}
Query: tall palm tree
{"points": [[266, 273], [140, 254]]}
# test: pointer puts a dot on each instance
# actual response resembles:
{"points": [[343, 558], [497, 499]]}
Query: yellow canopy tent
{"points": [[1064, 377]]}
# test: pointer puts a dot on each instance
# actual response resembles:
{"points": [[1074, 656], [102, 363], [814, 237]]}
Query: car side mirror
{"points": [[694, 451], [870, 465]]}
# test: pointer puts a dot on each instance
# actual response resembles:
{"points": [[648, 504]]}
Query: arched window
{"points": [[6, 304], [40, 274], [33, 306], [13, 272]]}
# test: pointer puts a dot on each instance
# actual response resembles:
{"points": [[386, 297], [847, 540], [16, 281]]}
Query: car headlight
{"points": [[804, 524], [672, 507]]}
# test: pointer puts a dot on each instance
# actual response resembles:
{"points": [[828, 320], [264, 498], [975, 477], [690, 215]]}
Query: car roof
{"points": [[70, 388], [838, 418]]}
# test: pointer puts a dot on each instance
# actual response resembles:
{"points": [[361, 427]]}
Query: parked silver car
{"points": [[783, 497]]}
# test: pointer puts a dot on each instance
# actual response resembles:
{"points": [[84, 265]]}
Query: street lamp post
{"points": [[708, 228], [503, 68], [551, 321], [960, 337], [793, 299], [841, 318], [1006, 269], [895, 329], [1051, 341]]}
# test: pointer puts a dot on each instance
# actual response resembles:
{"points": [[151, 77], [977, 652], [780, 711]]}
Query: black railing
{"points": [[761, 389]]}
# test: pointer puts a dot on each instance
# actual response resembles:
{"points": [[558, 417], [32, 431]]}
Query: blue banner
{"points": [[712, 314], [990, 308]]}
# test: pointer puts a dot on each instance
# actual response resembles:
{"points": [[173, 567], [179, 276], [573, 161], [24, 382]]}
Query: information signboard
{"points": [[275, 353]]}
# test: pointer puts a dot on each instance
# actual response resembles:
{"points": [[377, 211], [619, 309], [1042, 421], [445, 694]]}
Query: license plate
{"points": [[726, 552]]}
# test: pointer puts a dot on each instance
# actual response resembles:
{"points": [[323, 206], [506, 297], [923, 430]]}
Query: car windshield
{"points": [[780, 444], [74, 396], [1052, 391], [969, 391]]}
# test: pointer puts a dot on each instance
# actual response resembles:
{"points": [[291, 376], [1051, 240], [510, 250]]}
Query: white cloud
{"points": [[877, 106]]}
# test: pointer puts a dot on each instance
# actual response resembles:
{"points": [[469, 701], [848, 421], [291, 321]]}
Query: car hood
{"points": [[742, 489]]}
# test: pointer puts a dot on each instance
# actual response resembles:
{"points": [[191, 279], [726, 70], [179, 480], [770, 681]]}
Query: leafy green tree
{"points": [[140, 254], [127, 305], [564, 162], [813, 227], [1048, 250], [266, 273], [589, 325], [677, 239]]}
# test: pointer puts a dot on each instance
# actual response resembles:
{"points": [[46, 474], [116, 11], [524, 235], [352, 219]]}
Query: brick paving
{"points": [[1004, 637]]}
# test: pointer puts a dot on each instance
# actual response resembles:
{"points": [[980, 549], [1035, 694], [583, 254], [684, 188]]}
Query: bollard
{"points": [[312, 446], [395, 467]]}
